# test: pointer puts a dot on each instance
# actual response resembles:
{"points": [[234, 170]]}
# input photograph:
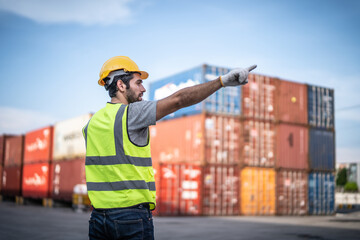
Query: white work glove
{"points": [[236, 77]]}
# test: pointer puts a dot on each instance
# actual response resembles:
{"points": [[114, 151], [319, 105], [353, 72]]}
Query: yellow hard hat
{"points": [[117, 63]]}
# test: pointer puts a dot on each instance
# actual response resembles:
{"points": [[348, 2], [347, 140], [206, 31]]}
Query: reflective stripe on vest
{"points": [[118, 172]]}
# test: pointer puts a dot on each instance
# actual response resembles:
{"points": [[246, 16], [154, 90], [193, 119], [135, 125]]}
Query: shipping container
{"points": [[38, 145], [291, 102], [2, 147], [198, 139], [321, 193], [37, 180], [258, 98], [224, 101], [258, 147], [221, 190], [291, 192], [69, 142], [11, 181], [321, 150], [257, 191], [320, 107], [1, 178], [67, 174], [292, 146], [14, 151], [179, 190]]}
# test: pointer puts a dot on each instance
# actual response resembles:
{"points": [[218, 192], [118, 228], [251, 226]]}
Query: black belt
{"points": [[139, 206]]}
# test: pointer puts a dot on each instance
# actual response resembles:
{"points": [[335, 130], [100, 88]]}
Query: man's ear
{"points": [[121, 86]]}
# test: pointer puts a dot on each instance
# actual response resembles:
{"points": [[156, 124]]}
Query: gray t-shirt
{"points": [[140, 116]]}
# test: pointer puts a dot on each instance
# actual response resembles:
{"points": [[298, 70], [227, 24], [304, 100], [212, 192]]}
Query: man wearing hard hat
{"points": [[119, 174]]}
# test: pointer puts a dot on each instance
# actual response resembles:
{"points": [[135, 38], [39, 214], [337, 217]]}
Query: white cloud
{"points": [[347, 155], [20, 121], [85, 12]]}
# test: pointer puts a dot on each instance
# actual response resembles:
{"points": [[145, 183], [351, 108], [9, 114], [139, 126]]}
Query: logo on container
{"points": [[171, 88], [39, 144], [37, 180]]}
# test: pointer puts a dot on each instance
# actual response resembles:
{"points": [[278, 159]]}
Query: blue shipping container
{"points": [[320, 107], [321, 150], [321, 193], [225, 101]]}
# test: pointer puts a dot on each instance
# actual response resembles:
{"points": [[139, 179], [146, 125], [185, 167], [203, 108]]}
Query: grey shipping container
{"points": [[320, 107], [225, 101], [321, 150]]}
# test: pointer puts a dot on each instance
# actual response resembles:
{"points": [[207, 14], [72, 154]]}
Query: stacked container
{"points": [[68, 168], [13, 160], [197, 149], [37, 176]]}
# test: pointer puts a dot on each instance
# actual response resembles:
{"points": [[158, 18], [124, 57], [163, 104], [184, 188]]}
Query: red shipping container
{"points": [[11, 184], [221, 190], [38, 145], [291, 102], [198, 139], [1, 177], [67, 174], [292, 146], [180, 190], [258, 98], [14, 151], [37, 180], [258, 148], [291, 192]]}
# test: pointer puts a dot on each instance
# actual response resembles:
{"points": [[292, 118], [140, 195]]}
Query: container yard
{"points": [[266, 148]]}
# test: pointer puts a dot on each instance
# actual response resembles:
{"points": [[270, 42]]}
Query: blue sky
{"points": [[52, 51]]}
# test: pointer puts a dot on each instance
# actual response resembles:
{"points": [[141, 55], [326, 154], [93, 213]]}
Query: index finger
{"points": [[251, 68]]}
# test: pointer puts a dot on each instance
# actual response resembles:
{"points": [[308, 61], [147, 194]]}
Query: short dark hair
{"points": [[112, 88]]}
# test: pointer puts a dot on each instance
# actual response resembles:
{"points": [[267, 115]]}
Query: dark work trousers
{"points": [[129, 223]]}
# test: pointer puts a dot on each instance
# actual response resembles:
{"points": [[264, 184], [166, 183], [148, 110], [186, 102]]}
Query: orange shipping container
{"points": [[38, 145], [292, 146], [291, 103], [291, 192], [14, 151], [258, 148], [257, 192], [258, 98], [198, 139], [37, 181]]}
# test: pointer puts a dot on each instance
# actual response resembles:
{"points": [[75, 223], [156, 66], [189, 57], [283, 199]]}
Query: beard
{"points": [[131, 96]]}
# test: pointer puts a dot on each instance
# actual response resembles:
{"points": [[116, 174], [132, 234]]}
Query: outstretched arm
{"points": [[195, 94]]}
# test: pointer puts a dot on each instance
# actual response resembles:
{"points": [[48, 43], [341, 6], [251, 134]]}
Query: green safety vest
{"points": [[118, 172]]}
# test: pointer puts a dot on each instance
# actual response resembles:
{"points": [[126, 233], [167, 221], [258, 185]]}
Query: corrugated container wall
{"points": [[67, 174], [14, 151], [257, 192], [291, 103], [38, 145], [258, 148], [197, 139], [258, 98], [321, 107], [69, 142], [291, 192], [37, 180], [321, 193], [224, 101], [11, 184], [321, 150], [292, 146]]}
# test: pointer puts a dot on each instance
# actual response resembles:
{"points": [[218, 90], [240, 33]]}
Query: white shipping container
{"points": [[69, 142]]}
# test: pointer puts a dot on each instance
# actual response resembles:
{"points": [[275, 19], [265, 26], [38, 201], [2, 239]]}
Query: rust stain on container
{"points": [[36, 180], [257, 192], [198, 139], [291, 192], [14, 151], [292, 146], [258, 98], [291, 102], [258, 147], [11, 184], [38, 145], [67, 174]]}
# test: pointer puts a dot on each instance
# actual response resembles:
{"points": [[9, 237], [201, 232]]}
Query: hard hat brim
{"points": [[143, 75]]}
